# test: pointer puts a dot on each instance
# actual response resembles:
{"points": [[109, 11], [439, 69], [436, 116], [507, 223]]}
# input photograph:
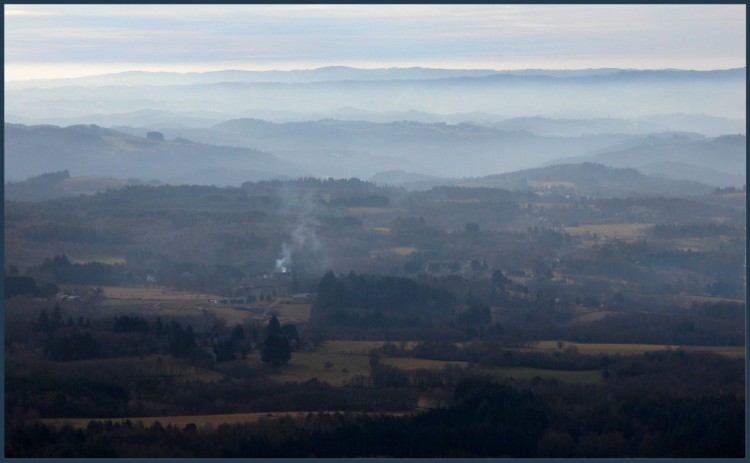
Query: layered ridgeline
{"points": [[602, 92], [96, 151], [232, 126], [394, 154]]}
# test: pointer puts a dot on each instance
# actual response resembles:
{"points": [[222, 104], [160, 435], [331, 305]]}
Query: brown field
{"points": [[623, 231], [727, 351], [361, 211], [540, 184], [409, 363], [228, 313], [154, 294], [165, 302], [403, 250], [294, 313], [594, 316], [119, 142], [198, 420], [381, 230], [688, 299]]}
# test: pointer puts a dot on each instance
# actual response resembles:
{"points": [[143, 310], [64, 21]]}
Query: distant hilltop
{"points": [[345, 73]]}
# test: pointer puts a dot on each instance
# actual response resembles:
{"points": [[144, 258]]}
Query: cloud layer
{"points": [[62, 38]]}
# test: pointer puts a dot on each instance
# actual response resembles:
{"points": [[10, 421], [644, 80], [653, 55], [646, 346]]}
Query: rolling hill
{"points": [[719, 161], [94, 151], [590, 179]]}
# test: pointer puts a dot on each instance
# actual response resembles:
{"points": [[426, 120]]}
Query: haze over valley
{"points": [[375, 231], [345, 122]]}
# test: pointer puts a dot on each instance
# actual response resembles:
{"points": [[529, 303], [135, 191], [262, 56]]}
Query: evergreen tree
{"points": [[276, 349], [238, 334], [57, 320], [43, 323]]}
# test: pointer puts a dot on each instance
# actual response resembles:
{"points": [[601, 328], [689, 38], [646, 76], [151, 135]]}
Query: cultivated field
{"points": [[293, 313], [635, 349], [345, 359], [363, 211], [154, 293], [623, 231], [595, 316], [163, 302], [540, 184], [566, 376], [109, 260]]}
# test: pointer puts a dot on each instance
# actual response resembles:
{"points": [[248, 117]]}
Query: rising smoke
{"points": [[304, 237]]}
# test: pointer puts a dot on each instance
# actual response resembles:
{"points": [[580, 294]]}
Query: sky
{"points": [[57, 41]]}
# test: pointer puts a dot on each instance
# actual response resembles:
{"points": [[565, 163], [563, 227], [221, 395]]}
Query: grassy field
{"points": [[349, 347], [307, 365], [728, 351], [294, 313], [636, 349], [347, 359], [524, 373], [109, 260], [362, 211]]}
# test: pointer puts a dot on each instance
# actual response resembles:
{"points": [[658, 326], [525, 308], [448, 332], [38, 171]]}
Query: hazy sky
{"points": [[49, 41]]}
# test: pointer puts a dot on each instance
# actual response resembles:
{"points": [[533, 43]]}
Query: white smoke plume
{"points": [[304, 237], [284, 263]]}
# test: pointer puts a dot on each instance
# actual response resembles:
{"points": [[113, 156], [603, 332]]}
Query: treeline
{"points": [[181, 275], [130, 335], [660, 268], [706, 329], [696, 372], [377, 300], [91, 273], [51, 232], [59, 395], [484, 420]]}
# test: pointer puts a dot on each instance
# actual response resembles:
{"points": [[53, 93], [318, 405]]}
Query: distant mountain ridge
{"points": [[722, 161], [322, 74], [575, 93], [96, 151], [345, 73]]}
